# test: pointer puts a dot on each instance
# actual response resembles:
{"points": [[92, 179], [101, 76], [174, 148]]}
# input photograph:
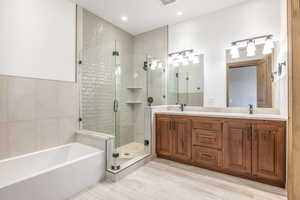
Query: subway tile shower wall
{"points": [[98, 83], [36, 114]]}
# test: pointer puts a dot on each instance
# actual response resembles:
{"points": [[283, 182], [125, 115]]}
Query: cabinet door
{"points": [[268, 152], [163, 137], [237, 138], [182, 139]]}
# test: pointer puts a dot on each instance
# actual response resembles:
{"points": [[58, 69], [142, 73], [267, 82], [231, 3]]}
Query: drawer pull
{"points": [[208, 140], [206, 125], [206, 156]]}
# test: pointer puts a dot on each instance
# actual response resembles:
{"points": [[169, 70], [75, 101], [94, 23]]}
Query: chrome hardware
{"points": [[251, 109], [182, 107], [116, 105]]}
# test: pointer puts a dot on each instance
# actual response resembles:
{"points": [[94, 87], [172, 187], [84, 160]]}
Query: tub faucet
{"points": [[251, 110]]}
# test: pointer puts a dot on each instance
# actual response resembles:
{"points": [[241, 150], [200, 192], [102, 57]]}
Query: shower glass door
{"points": [[113, 84]]}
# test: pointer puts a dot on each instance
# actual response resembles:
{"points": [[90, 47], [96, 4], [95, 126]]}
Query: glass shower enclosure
{"points": [[117, 79], [110, 105], [111, 101]]}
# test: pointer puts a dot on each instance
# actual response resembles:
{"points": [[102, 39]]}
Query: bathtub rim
{"points": [[9, 183]]}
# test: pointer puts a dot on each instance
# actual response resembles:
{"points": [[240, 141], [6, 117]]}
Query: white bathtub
{"points": [[53, 174]]}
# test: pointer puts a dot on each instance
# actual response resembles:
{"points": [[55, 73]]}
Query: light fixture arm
{"points": [[253, 39]]}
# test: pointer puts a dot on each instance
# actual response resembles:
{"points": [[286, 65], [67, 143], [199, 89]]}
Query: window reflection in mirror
{"points": [[249, 79]]}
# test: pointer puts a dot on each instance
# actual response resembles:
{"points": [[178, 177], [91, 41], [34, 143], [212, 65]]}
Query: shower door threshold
{"points": [[130, 165]]}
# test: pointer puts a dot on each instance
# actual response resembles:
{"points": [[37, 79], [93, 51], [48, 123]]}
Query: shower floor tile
{"points": [[130, 151]]}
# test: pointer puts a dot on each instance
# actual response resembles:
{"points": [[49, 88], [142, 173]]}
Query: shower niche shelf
{"points": [[134, 88], [134, 102]]}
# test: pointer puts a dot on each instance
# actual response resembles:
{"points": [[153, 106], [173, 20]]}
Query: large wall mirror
{"points": [[249, 78], [186, 81]]}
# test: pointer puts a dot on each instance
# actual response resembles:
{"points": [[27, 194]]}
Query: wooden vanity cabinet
{"points": [[253, 149], [237, 147], [164, 136], [174, 138], [268, 152]]}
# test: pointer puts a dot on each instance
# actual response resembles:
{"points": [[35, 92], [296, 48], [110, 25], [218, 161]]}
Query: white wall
{"points": [[37, 39], [212, 34]]}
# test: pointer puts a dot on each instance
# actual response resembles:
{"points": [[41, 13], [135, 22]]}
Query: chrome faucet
{"points": [[182, 107], [251, 109]]}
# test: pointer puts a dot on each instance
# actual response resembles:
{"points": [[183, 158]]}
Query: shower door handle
{"points": [[116, 105]]}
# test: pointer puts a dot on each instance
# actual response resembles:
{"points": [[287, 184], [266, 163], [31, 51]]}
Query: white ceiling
{"points": [[145, 15]]}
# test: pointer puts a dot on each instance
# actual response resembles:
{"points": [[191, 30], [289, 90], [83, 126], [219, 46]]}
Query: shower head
{"points": [[167, 2]]}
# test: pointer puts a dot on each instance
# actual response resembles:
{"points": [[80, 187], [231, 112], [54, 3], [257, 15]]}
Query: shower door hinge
{"points": [[80, 62], [145, 67], [177, 75], [115, 53], [80, 119], [146, 142], [116, 105]]}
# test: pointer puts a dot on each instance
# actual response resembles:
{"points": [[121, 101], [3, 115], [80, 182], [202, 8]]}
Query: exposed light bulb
{"points": [[153, 65], [118, 71], [170, 60], [196, 60], [251, 48], [160, 65], [185, 61], [191, 57], [269, 45], [251, 53], [175, 64], [235, 51], [180, 58]]}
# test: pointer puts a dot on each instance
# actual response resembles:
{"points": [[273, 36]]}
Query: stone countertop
{"points": [[225, 115]]}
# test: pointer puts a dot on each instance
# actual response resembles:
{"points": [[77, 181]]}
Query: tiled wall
{"points": [[153, 43], [97, 77], [36, 114], [100, 38]]}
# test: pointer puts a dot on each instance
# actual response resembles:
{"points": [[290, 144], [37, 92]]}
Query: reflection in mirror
{"points": [[249, 78], [186, 83]]}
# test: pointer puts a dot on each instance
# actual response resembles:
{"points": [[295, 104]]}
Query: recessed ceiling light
{"points": [[179, 13], [124, 18]]}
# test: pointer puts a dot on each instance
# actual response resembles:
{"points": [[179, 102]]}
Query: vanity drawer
{"points": [[207, 157], [209, 125], [205, 138]]}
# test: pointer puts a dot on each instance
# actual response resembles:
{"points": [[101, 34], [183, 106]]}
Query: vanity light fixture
{"points": [[153, 64], [235, 53], [170, 60], [183, 57], [118, 71], [185, 61], [251, 45], [196, 60], [175, 64], [269, 45], [160, 65], [251, 48]]}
